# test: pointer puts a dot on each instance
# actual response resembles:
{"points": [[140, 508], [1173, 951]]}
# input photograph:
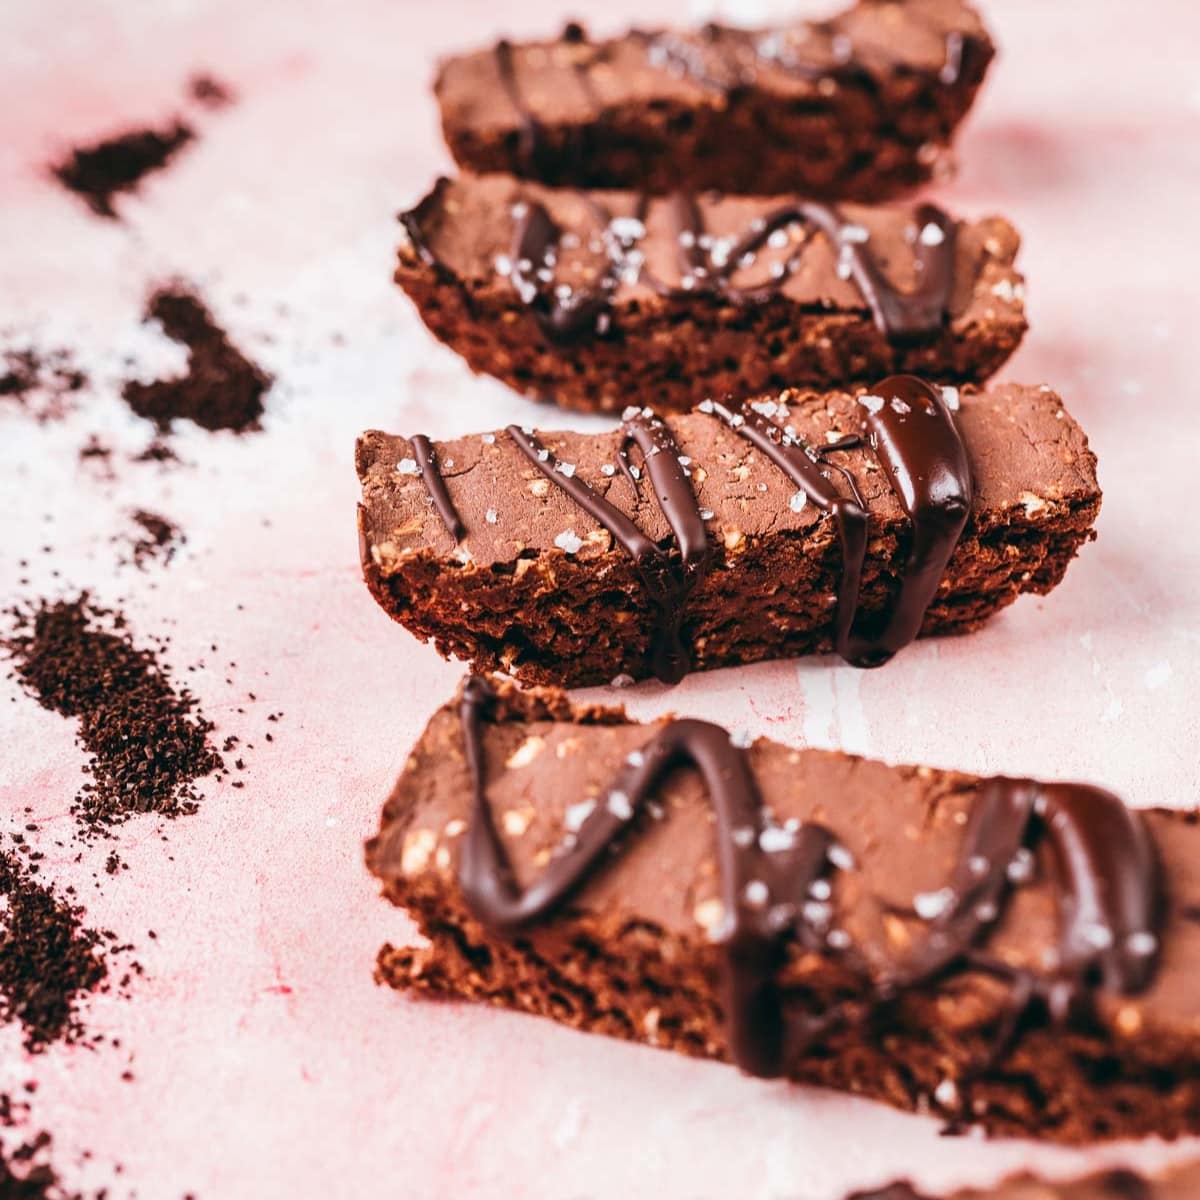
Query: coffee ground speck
{"points": [[43, 383]]}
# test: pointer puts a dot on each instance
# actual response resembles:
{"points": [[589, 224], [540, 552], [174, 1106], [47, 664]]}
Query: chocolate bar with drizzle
{"points": [[794, 524], [1010, 953], [599, 300], [860, 106]]}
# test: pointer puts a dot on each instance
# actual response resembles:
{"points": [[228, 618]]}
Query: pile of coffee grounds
{"points": [[155, 539], [48, 959], [222, 389], [43, 383], [146, 740], [209, 91], [98, 172]]}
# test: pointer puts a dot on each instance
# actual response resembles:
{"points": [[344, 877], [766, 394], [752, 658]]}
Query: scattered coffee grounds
{"points": [[222, 388], [209, 91], [44, 384], [146, 741], [94, 450], [26, 1170], [157, 450], [155, 539], [48, 959], [98, 172]]}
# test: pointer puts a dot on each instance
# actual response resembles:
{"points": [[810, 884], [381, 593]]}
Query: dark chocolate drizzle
{"points": [[907, 424], [1102, 858], [763, 892], [669, 578], [536, 242], [534, 154], [901, 316], [720, 59], [1105, 867], [905, 421], [431, 475], [530, 138]]}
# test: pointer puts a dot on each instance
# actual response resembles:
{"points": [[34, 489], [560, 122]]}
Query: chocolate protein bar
{"points": [[860, 106], [600, 300], [796, 524], [1006, 953]]}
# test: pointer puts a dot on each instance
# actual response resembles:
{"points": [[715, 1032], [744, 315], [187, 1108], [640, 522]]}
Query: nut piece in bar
{"points": [[861, 106], [1007, 953], [598, 300], [799, 523]]}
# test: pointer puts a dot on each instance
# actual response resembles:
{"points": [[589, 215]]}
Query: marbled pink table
{"points": [[266, 1062]]}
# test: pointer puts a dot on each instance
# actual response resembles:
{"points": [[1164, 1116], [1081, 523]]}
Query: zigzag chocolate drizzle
{"points": [[763, 892], [668, 583], [901, 316], [907, 424], [1104, 862], [1102, 857]]}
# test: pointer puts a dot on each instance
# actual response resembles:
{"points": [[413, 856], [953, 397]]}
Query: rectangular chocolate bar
{"points": [[860, 106], [790, 526], [598, 300], [1005, 953]]}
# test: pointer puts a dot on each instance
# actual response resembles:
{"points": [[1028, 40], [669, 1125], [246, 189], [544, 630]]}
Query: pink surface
{"points": [[265, 1060]]}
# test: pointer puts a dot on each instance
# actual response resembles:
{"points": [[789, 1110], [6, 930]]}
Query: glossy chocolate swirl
{"points": [[906, 422], [565, 313], [668, 581], [1104, 868]]}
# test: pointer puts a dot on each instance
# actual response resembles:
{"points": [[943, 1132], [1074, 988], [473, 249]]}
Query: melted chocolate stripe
{"points": [[901, 316], [667, 584], [1106, 873], [923, 456], [529, 136], [755, 886], [536, 238], [435, 485], [793, 459]]}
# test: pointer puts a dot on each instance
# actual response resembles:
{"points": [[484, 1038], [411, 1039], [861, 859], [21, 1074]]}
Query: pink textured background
{"points": [[266, 1062]]}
